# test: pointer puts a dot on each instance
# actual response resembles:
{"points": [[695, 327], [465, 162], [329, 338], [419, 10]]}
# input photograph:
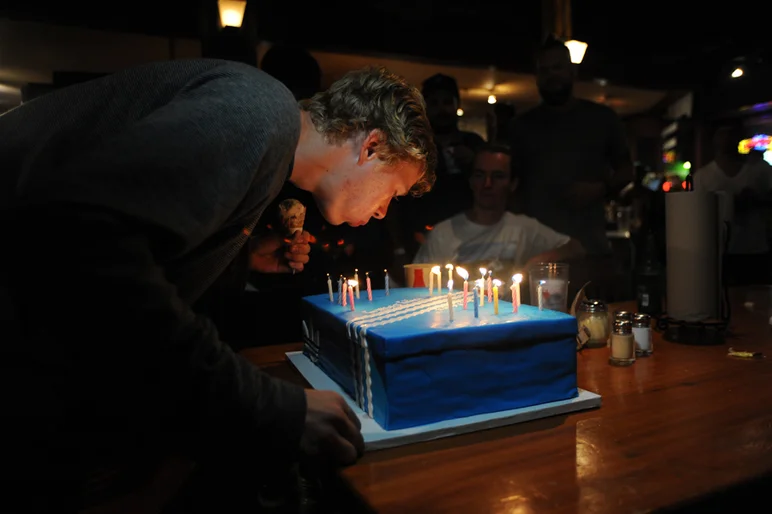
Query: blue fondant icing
{"points": [[423, 368]]}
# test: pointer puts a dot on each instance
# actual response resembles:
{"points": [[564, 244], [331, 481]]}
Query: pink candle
{"points": [[345, 293], [369, 287], [489, 285], [351, 293], [516, 279], [465, 275]]}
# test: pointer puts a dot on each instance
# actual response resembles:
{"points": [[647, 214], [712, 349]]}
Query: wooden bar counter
{"points": [[687, 424]]}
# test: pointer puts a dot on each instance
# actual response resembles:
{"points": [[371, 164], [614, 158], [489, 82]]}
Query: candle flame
{"points": [[490, 272], [450, 284], [352, 283], [542, 282], [367, 273], [517, 278], [496, 282], [483, 271], [462, 273], [436, 270], [449, 266]]}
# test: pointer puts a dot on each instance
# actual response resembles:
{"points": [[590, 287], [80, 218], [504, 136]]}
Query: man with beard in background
{"points": [[571, 155]]}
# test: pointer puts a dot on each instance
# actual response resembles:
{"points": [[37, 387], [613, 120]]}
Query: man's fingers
{"points": [[303, 249], [351, 415], [342, 451], [350, 429], [296, 258]]}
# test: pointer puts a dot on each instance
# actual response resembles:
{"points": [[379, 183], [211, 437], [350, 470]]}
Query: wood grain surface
{"points": [[680, 425]]}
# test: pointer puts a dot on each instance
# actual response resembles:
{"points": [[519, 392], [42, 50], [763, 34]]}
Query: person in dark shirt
{"points": [[571, 153], [154, 178]]}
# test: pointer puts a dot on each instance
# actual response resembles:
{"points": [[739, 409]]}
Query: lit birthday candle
{"points": [[465, 275], [516, 279], [489, 283], [450, 299], [329, 288], [369, 286], [386, 281], [435, 271], [540, 294], [340, 290], [496, 284], [352, 284], [483, 271], [479, 284], [449, 267], [356, 280], [476, 306], [345, 293]]}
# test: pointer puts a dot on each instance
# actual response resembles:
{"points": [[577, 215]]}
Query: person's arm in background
{"points": [[547, 245], [161, 188]]}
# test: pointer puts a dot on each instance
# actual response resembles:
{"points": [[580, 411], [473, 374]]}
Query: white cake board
{"points": [[376, 438]]}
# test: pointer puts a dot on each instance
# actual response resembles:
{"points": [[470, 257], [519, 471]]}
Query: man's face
{"points": [[554, 77], [360, 186], [491, 181], [441, 107]]}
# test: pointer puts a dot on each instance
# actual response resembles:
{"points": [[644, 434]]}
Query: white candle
{"points": [[449, 267], [450, 299], [356, 280], [479, 284], [329, 288], [386, 280], [540, 294], [435, 271], [340, 290]]}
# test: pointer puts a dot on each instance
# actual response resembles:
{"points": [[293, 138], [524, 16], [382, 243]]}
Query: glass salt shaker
{"points": [[593, 314], [644, 346], [622, 344], [620, 316]]}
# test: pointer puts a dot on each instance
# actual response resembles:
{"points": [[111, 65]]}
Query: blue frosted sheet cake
{"points": [[406, 364]]}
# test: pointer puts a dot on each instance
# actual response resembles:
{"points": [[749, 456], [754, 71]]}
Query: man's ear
{"points": [[370, 145]]}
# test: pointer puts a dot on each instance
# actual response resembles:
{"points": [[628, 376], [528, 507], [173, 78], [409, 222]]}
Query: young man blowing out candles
{"points": [[122, 200]]}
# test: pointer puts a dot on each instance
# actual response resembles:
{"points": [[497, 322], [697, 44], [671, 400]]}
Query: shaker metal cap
{"points": [[623, 315], [588, 305], [642, 320], [623, 327]]}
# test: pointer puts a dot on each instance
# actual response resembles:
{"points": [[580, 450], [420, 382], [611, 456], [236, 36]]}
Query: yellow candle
{"points": [[496, 284]]}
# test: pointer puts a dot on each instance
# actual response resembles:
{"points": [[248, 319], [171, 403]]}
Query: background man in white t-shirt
{"points": [[487, 235], [747, 183]]}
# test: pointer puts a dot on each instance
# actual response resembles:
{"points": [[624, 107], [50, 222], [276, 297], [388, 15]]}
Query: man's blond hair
{"points": [[376, 99]]}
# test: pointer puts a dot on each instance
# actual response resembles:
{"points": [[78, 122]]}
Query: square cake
{"points": [[405, 363]]}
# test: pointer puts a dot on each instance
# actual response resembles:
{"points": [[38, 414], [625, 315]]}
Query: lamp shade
{"points": [[577, 50], [231, 12]]}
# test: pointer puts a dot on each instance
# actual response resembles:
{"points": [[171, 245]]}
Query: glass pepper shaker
{"points": [[644, 346], [593, 314], [622, 344]]}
